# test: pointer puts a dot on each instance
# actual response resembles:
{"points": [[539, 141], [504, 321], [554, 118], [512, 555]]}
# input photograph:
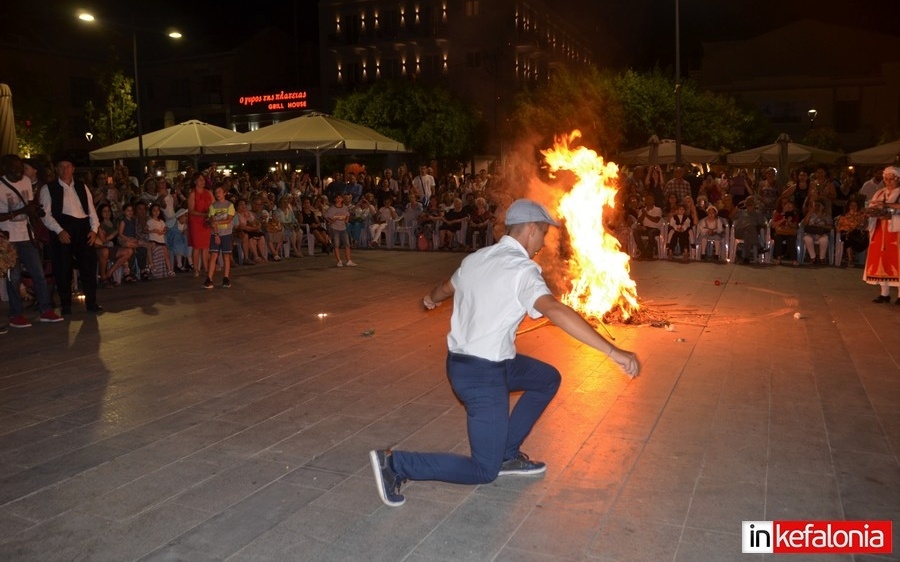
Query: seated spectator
{"points": [[285, 214], [711, 231], [451, 224], [361, 214], [648, 228], [274, 233], [481, 221], [785, 221], [747, 224], [381, 221], [251, 225], [128, 238], [108, 250], [176, 240], [309, 217], [852, 227], [429, 218], [817, 226], [621, 224], [679, 233]]}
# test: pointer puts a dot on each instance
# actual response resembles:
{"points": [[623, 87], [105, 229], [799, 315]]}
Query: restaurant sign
{"points": [[280, 101]]}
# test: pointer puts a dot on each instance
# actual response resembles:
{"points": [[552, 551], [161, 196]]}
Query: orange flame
{"points": [[598, 269]]}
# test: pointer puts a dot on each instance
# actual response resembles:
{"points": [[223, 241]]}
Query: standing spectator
{"points": [[176, 240], [655, 186], [337, 216], [156, 236], [221, 221], [199, 232], [883, 255], [768, 192], [72, 219], [493, 290], [18, 208], [678, 185], [424, 185], [873, 184]]}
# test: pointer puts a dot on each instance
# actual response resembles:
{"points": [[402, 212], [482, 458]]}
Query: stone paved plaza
{"points": [[234, 424]]}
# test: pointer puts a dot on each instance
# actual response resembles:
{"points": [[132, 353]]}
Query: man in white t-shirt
{"points": [[875, 183], [492, 291], [17, 207], [424, 185]]}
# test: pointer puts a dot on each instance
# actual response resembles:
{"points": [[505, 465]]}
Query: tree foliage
{"points": [[582, 101], [427, 119], [622, 111], [113, 120]]}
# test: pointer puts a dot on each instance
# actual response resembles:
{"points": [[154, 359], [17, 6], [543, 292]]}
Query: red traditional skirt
{"points": [[883, 256]]}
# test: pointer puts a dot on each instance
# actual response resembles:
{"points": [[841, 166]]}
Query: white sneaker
{"points": [[340, 264], [351, 263]]}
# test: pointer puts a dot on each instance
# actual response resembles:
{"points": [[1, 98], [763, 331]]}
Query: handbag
{"points": [[274, 226], [815, 229]]}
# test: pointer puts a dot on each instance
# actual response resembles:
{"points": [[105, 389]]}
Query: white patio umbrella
{"points": [[664, 154], [317, 133], [8, 141], [796, 153], [883, 154], [190, 138]]}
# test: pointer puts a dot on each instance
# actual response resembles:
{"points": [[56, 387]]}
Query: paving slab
{"points": [[234, 424]]}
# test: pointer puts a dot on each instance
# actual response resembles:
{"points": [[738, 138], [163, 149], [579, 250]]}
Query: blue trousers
{"points": [[495, 434], [30, 257]]}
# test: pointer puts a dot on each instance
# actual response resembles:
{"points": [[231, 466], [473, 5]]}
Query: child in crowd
{"points": [[156, 233], [221, 217], [176, 240]]}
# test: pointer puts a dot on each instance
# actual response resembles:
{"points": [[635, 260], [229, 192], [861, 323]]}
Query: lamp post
{"points": [[89, 18], [812, 117], [677, 84]]}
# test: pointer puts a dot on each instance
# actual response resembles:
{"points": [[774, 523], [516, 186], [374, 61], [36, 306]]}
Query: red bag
{"points": [[422, 243]]}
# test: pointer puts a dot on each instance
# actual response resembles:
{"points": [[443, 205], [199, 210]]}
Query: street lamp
{"points": [[87, 17], [677, 84], [812, 117]]}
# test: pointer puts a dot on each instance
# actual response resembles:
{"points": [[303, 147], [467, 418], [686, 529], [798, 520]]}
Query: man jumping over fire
{"points": [[492, 291]]}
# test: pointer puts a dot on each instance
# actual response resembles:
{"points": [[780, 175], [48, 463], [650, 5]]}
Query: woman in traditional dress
{"points": [[883, 256]]}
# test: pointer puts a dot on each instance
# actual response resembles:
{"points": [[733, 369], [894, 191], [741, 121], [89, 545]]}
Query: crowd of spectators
{"points": [[692, 213]]}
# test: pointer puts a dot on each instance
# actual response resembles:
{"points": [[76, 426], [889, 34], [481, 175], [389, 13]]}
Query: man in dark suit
{"points": [[73, 223]]}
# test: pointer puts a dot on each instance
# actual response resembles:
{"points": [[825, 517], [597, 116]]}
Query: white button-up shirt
{"points": [[71, 206], [494, 289]]}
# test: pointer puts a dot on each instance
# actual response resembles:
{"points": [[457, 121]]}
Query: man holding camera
{"points": [[73, 223], [17, 207]]}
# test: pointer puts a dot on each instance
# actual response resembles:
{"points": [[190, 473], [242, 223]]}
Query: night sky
{"points": [[626, 33]]}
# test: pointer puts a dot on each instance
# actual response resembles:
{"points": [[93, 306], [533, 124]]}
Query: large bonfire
{"points": [[597, 269]]}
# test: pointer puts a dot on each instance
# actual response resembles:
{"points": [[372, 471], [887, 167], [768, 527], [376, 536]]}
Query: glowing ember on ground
{"points": [[598, 270]]}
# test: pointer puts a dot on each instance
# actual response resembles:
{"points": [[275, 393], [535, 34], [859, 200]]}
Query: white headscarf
{"points": [[892, 171]]}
